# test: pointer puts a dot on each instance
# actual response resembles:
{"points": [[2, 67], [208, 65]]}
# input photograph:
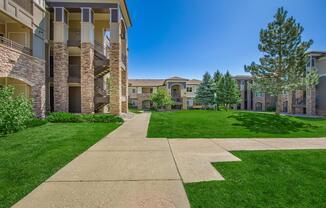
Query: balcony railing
{"points": [[15, 45], [177, 99], [74, 37], [25, 4], [74, 73]]}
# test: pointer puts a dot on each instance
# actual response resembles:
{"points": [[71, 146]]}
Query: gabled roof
{"points": [[193, 82], [176, 78], [146, 82]]}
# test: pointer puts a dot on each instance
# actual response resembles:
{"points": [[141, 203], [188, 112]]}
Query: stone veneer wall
{"points": [[115, 88], [87, 78], [60, 77], [29, 69], [311, 101], [124, 84]]}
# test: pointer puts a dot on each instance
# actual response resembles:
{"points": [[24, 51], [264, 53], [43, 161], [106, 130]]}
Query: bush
{"points": [[271, 109], [15, 111], [36, 122], [78, 118]]}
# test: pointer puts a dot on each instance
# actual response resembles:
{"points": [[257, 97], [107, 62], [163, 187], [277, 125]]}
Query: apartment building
{"points": [[311, 101], [182, 91], [251, 100], [66, 55]]}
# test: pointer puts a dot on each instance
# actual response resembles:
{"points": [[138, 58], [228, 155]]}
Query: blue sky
{"points": [[188, 37]]}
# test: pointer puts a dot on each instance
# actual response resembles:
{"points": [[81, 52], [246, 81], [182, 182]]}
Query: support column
{"points": [[124, 83], [242, 93], [299, 95], [249, 97], [60, 61], [87, 61], [311, 100], [290, 103], [115, 63]]}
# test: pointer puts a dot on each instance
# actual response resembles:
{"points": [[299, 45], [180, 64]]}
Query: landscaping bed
{"points": [[232, 124], [295, 178]]}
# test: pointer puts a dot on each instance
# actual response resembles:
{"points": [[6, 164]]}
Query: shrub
{"points": [[78, 118], [15, 111], [36, 122]]}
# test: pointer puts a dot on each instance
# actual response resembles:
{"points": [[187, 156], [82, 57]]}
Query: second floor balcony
{"points": [[14, 45]]}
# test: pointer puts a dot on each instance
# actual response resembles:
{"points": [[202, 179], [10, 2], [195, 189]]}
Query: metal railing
{"points": [[74, 71], [14, 45], [74, 37]]}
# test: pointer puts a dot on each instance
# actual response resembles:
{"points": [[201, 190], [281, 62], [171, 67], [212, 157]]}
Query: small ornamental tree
{"points": [[161, 98], [205, 91], [282, 67], [15, 112]]}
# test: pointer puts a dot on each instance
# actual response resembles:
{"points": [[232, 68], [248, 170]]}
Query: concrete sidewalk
{"points": [[126, 170], [122, 170]]}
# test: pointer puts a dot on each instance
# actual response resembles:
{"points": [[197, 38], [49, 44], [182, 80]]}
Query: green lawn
{"points": [[232, 124], [266, 179], [29, 157]]}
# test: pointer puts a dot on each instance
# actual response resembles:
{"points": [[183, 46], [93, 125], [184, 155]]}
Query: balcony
{"points": [[74, 37], [11, 44], [74, 74], [177, 99], [21, 10]]}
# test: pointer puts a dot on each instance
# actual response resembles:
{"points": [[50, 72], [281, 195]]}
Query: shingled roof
{"points": [[146, 82]]}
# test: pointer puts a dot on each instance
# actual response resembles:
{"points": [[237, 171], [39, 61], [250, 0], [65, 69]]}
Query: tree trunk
{"points": [[279, 104]]}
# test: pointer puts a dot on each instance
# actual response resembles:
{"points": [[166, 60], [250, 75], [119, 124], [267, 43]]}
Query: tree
{"points": [[161, 98], [282, 67], [15, 111], [205, 91], [227, 91]]}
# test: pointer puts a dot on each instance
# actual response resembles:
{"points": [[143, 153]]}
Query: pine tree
{"points": [[227, 91], [205, 91], [282, 67]]}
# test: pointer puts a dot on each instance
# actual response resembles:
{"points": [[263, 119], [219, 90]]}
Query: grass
{"points": [[29, 157], [135, 110], [232, 124], [281, 179]]}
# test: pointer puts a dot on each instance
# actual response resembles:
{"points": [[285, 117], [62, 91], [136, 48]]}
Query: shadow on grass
{"points": [[269, 123]]}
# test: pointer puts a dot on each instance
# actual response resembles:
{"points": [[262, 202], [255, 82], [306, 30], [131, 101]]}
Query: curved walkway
{"points": [[129, 171]]}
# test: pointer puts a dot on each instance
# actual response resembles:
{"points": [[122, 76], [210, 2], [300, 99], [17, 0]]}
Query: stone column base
{"points": [[87, 78]]}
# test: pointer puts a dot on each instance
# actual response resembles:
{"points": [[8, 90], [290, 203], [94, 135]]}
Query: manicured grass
{"points": [[135, 110], [265, 179], [232, 124], [29, 157]]}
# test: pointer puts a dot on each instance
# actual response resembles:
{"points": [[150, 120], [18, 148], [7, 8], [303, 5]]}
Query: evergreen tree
{"points": [[227, 91], [205, 91], [231, 90], [282, 67]]}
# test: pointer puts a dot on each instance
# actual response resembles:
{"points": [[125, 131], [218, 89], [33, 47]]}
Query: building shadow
{"points": [[269, 123]]}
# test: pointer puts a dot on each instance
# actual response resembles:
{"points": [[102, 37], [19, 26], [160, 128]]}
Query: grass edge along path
{"points": [[29, 157], [293, 178], [232, 124]]}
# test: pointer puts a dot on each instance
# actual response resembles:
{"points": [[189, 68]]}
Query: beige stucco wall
{"points": [[18, 28], [321, 66]]}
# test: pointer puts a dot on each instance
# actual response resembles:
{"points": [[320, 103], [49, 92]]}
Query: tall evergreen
{"points": [[205, 91], [227, 91], [283, 62]]}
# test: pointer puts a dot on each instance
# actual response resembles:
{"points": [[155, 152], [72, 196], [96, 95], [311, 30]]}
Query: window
{"points": [[134, 91], [151, 90], [189, 89], [259, 94], [313, 60]]}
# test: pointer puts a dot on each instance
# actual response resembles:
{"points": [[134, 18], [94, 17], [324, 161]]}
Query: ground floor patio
{"points": [[126, 169]]}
